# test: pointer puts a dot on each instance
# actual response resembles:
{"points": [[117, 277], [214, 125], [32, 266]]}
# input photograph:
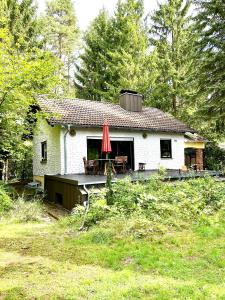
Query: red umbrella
{"points": [[106, 145]]}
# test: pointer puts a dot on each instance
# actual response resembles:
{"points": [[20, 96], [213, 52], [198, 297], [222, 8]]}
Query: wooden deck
{"points": [[82, 179], [69, 190]]}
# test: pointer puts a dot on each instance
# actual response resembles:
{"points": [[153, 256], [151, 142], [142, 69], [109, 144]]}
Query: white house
{"points": [[73, 130]]}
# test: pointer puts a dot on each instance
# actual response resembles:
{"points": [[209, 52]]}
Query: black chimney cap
{"points": [[128, 91]]}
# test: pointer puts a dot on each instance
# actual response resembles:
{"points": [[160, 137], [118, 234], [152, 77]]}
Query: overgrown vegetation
{"points": [[154, 207], [17, 208], [214, 158], [158, 240], [5, 200]]}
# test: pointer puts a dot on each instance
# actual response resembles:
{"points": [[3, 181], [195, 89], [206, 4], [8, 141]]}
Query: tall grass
{"points": [[142, 209], [26, 211], [17, 208]]}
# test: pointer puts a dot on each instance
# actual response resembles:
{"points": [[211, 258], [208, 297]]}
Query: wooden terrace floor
{"points": [[83, 179]]}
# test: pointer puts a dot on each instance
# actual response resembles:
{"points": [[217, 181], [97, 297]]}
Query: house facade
{"points": [[73, 130]]}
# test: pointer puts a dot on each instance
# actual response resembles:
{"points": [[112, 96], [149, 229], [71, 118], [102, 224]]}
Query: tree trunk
{"points": [[68, 73], [60, 46], [5, 170]]}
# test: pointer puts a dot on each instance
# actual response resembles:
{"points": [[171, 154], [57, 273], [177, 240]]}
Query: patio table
{"points": [[105, 161]]}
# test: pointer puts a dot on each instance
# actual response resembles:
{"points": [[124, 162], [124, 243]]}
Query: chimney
{"points": [[131, 100]]}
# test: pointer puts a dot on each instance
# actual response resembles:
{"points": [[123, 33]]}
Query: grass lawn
{"points": [[48, 261]]}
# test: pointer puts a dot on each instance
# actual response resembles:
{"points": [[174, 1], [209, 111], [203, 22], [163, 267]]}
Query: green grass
{"points": [[49, 261]]}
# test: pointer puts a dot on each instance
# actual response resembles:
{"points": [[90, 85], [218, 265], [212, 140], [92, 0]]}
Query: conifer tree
{"points": [[171, 34], [21, 21], [211, 45], [129, 62], [115, 53], [60, 33], [93, 73]]}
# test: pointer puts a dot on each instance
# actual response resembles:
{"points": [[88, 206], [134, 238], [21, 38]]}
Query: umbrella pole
{"points": [[106, 164]]}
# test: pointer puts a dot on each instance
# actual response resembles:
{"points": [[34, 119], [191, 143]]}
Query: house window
{"points": [[44, 151], [166, 148]]}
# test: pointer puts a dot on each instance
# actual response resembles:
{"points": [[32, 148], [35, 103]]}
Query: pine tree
{"points": [[60, 33], [171, 34], [115, 53], [129, 62], [211, 45], [93, 73], [21, 21]]}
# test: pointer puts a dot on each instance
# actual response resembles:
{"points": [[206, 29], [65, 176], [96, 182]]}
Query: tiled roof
{"points": [[194, 137], [87, 113]]}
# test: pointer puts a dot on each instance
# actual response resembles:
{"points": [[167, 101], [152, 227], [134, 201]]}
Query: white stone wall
{"points": [[45, 132], [146, 150]]}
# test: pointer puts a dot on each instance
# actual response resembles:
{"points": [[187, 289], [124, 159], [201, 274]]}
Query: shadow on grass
{"points": [[173, 258]]}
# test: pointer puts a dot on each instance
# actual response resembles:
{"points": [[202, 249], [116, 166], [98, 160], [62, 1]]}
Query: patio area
{"points": [[69, 190], [82, 179]]}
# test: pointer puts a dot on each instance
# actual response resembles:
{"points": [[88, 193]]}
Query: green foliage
{"points": [[16, 208], [59, 27], [21, 76], [156, 206], [214, 157], [8, 188], [126, 195], [5, 200], [171, 34], [92, 73], [115, 54], [23, 211], [59, 31], [211, 45], [100, 264], [109, 198], [21, 21]]}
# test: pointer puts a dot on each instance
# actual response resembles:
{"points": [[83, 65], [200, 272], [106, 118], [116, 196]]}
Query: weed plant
{"points": [[155, 206], [15, 208]]}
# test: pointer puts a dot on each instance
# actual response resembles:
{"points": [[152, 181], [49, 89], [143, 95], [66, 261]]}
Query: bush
{"points": [[7, 188], [5, 201], [26, 211], [98, 211], [126, 195], [154, 206], [214, 158]]}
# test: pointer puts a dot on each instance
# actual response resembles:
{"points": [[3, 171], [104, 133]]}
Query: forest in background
{"points": [[174, 56]]}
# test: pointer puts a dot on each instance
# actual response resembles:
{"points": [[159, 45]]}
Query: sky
{"points": [[87, 10]]}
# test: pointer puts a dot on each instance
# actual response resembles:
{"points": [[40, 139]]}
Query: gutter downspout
{"points": [[65, 149], [87, 204]]}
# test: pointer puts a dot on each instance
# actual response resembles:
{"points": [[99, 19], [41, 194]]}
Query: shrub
{"points": [[5, 201], [7, 188], [214, 158], [26, 211], [141, 209], [85, 217], [126, 195]]}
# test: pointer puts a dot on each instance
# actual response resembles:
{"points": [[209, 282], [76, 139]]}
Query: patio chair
{"points": [[90, 166], [120, 164]]}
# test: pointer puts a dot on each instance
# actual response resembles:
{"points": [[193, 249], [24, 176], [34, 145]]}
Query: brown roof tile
{"points": [[87, 113]]}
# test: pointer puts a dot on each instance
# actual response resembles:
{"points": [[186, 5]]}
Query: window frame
{"points": [[163, 151], [44, 152]]}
